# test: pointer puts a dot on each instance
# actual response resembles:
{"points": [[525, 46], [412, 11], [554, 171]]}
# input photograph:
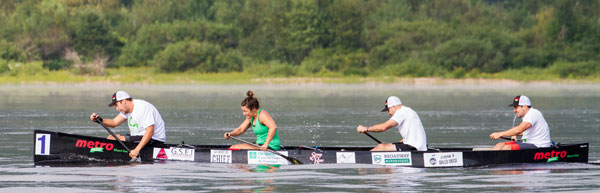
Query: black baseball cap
{"points": [[520, 100]]}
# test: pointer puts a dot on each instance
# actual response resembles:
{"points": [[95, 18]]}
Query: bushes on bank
{"points": [[575, 69], [197, 56], [305, 37], [412, 68]]}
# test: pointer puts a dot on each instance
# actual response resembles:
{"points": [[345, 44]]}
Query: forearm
{"points": [[110, 123], [376, 128], [512, 132], [145, 139], [237, 131]]}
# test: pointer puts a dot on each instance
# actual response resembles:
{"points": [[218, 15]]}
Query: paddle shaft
{"points": [[507, 138], [290, 159], [311, 148], [377, 140], [98, 120]]}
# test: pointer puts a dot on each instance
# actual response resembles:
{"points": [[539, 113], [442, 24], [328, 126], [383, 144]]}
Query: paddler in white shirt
{"points": [[146, 126], [534, 128], [408, 123]]}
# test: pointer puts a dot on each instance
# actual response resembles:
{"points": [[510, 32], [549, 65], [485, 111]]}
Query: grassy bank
{"points": [[145, 75]]}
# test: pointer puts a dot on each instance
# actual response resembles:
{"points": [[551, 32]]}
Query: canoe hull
{"points": [[53, 148]]}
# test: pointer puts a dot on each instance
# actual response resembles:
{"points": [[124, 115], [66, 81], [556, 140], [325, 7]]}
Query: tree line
{"points": [[412, 38]]}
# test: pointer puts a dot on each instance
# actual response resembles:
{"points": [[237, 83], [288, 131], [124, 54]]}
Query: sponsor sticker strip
{"points": [[345, 157], [220, 156], [174, 153], [264, 157], [443, 159], [391, 158]]}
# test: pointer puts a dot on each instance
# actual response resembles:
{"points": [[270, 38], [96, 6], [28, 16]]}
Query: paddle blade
{"points": [[293, 161], [136, 160]]}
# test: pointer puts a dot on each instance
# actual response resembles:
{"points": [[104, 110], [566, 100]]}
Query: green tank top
{"points": [[262, 131]]}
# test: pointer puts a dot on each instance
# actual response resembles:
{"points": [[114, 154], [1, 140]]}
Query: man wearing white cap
{"points": [[144, 121], [534, 128], [408, 123]]}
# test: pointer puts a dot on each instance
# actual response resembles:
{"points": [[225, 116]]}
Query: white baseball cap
{"points": [[390, 102], [118, 96], [520, 100]]}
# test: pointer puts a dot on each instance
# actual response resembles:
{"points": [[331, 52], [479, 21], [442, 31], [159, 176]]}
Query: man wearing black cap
{"points": [[408, 123], [534, 128], [144, 121]]}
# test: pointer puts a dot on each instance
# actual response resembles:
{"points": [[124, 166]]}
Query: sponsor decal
{"points": [[174, 153], [553, 159], [316, 158], [443, 159], [391, 158], [42, 144], [159, 153], [220, 156], [94, 144], [184, 154], [120, 150], [549, 154], [345, 157], [265, 157], [96, 149]]}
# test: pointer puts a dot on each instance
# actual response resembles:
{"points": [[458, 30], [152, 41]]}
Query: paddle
{"points": [[99, 121], [290, 159], [377, 140], [507, 138], [307, 147]]}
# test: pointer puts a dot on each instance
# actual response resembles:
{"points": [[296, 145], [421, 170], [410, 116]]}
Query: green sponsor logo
{"points": [[252, 155], [96, 149], [552, 159], [397, 161], [377, 159], [120, 150]]}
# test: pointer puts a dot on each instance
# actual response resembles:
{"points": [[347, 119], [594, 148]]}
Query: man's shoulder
{"points": [[535, 112], [403, 112], [143, 106], [406, 110], [142, 102]]}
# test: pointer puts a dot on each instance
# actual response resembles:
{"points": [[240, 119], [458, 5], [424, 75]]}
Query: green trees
{"points": [[412, 38], [198, 56]]}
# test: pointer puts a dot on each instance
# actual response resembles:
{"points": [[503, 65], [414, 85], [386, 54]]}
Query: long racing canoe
{"points": [[52, 148]]}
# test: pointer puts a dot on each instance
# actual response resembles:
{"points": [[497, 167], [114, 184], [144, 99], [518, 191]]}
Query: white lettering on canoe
{"points": [[220, 156]]}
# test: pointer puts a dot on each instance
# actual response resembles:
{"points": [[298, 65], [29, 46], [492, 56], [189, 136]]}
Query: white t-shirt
{"points": [[411, 128], [539, 132], [144, 115]]}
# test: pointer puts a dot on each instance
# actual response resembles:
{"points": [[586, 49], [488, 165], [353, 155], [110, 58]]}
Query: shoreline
{"points": [[332, 81]]}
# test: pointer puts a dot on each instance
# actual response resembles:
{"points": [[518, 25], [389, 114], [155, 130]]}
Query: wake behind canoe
{"points": [[56, 147]]}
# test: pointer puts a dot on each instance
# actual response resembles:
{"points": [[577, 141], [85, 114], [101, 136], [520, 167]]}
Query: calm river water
{"points": [[324, 115]]}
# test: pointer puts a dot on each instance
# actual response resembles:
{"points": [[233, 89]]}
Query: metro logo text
{"points": [[548, 155], [94, 144]]}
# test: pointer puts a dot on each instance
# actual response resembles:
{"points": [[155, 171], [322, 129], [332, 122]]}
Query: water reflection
{"points": [[265, 184], [261, 168]]}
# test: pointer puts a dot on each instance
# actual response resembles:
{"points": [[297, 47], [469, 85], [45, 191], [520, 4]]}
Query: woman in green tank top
{"points": [[262, 124]]}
